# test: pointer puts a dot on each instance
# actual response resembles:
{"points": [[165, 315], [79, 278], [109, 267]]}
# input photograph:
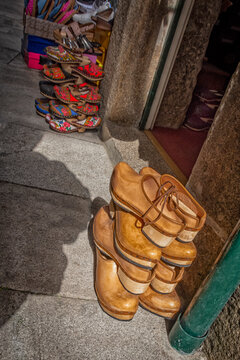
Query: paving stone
{"points": [[132, 145], [46, 246], [56, 162], [7, 54], [51, 328]]}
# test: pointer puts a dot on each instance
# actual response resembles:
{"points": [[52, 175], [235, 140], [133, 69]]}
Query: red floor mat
{"points": [[182, 145]]}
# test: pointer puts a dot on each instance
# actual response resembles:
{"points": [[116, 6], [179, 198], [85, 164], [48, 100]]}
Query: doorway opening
{"points": [[181, 147]]}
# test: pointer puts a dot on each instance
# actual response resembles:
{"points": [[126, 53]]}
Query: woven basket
{"points": [[39, 27]]}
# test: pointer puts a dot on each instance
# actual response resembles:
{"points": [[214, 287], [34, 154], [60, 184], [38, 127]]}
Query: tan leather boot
{"points": [[143, 196], [183, 203], [131, 243], [179, 254], [135, 279], [165, 305], [166, 278], [113, 298]]}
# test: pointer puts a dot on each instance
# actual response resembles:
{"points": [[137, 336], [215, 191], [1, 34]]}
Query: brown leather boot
{"points": [[131, 243], [113, 298], [165, 305], [143, 196], [183, 203], [135, 279], [179, 254], [166, 278]]}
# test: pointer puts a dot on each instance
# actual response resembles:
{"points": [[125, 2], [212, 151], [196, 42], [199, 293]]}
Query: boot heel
{"points": [[131, 285]]}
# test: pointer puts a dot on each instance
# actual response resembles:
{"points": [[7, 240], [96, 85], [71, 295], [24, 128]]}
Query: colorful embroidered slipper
{"points": [[89, 71], [86, 109], [75, 93], [46, 89], [74, 125], [60, 55], [91, 122], [42, 109], [61, 111], [58, 74], [41, 101], [86, 92], [64, 125]]}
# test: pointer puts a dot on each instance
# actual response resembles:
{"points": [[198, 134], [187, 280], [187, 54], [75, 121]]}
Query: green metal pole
{"points": [[190, 329]]}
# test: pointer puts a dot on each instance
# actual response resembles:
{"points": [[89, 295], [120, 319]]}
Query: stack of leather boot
{"points": [[144, 241], [71, 94]]}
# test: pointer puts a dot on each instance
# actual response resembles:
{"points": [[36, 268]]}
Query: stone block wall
{"points": [[215, 183], [223, 339]]}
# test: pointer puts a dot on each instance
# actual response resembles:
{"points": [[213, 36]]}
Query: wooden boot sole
{"points": [[133, 286], [176, 262], [115, 315], [147, 264], [159, 312]]}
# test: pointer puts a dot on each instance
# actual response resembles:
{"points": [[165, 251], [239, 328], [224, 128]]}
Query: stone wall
{"points": [[188, 63], [223, 339], [132, 58], [215, 183]]}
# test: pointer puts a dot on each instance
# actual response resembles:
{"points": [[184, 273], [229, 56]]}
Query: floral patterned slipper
{"points": [[91, 122], [60, 55], [86, 109], [89, 71], [42, 109], [58, 74], [60, 110], [75, 93], [73, 125]]}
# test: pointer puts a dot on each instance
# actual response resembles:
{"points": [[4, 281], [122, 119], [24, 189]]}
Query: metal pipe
{"points": [[190, 329]]}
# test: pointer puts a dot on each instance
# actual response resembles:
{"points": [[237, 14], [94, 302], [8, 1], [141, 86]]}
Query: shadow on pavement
{"points": [[35, 223]]}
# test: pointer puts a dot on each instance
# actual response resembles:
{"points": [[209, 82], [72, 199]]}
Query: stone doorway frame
{"points": [[170, 49]]}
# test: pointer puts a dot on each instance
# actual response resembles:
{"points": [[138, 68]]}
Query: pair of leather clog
{"points": [[147, 233]]}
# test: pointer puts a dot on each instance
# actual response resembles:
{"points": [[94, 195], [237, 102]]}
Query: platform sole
{"points": [[176, 262], [159, 312], [147, 264], [133, 286], [118, 316], [162, 287]]}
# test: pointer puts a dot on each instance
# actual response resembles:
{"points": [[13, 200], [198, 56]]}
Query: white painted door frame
{"points": [[171, 57]]}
